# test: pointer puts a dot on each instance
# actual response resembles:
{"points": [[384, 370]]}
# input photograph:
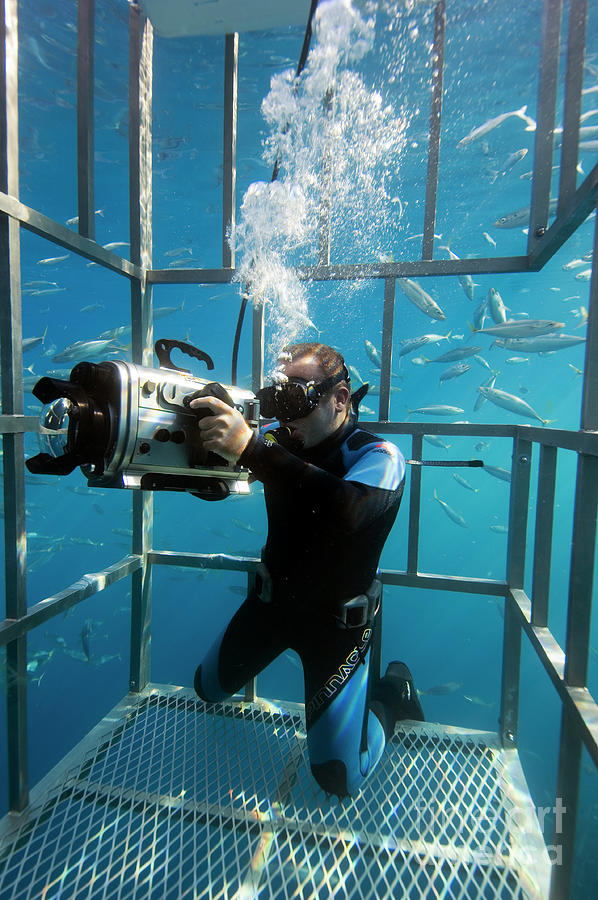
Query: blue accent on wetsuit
{"points": [[330, 510]]}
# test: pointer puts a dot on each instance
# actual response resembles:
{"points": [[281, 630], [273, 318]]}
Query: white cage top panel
{"points": [[186, 17]]}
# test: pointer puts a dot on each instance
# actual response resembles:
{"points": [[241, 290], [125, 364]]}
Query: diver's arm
{"points": [[357, 501]]}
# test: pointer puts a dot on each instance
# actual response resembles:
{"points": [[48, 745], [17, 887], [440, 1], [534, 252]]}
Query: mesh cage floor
{"points": [[169, 798]]}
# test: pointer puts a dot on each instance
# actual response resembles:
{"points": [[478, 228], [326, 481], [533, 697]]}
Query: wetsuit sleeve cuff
{"points": [[245, 458]]}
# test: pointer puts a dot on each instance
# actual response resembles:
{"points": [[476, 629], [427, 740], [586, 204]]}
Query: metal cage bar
{"points": [[140, 216], [543, 535], [415, 499], [229, 154], [578, 15], [85, 118], [11, 335], [547, 96], [435, 130], [388, 317]]}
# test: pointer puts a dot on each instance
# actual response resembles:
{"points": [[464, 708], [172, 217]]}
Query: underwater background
{"points": [[79, 663]]}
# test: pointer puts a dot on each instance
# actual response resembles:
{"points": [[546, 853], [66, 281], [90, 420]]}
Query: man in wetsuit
{"points": [[332, 493]]}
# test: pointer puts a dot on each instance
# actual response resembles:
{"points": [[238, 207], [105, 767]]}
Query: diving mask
{"points": [[294, 398]]}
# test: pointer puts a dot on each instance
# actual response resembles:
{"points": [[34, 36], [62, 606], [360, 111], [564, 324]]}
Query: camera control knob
{"points": [[148, 388], [162, 435]]}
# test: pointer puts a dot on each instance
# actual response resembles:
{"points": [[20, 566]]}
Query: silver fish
{"points": [[512, 403], [412, 344], [500, 529], [466, 281], [497, 472], [481, 399], [454, 371], [490, 124], [52, 260], [84, 350], [545, 343], [464, 483], [436, 441], [420, 298], [456, 354], [373, 354], [451, 513], [495, 304], [520, 217], [438, 410], [508, 164], [522, 328]]}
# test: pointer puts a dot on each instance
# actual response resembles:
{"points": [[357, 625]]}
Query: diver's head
{"points": [[311, 393]]}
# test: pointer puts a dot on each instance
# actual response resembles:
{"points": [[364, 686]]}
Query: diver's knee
{"points": [[332, 777], [197, 684]]}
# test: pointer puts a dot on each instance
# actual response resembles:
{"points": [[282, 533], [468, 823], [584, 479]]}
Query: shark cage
{"points": [[163, 796]]}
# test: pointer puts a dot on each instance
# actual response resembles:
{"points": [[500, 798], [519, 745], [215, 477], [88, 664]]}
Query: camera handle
{"points": [[164, 346]]}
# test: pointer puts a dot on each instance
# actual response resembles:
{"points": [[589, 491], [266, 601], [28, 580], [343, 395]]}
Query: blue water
{"points": [[491, 67]]}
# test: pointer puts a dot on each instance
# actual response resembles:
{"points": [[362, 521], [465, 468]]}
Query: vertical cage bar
{"points": [[543, 535], [414, 505], [547, 94], [567, 798], [85, 118], [257, 348], [581, 575], [518, 509], [510, 677], [326, 187], [388, 318], [11, 336], [140, 188], [229, 160], [250, 690], [435, 129], [576, 42], [589, 401]]}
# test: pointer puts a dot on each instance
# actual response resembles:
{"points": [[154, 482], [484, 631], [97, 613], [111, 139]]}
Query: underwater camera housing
{"points": [[127, 426]]}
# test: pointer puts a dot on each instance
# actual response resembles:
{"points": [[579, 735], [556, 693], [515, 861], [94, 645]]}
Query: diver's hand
{"points": [[225, 431]]}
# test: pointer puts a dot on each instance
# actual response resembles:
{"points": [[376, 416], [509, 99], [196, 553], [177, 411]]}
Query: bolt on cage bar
{"points": [[567, 668]]}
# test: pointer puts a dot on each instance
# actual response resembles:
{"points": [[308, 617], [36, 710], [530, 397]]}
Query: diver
{"points": [[332, 493]]}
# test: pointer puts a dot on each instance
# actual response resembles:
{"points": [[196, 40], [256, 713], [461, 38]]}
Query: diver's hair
{"points": [[330, 360]]}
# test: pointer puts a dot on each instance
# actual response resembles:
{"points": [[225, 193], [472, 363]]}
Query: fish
{"points": [[93, 307], [508, 164], [436, 441], [52, 260], [454, 371], [86, 632], [411, 344], [245, 526], [439, 410], [160, 312], [480, 314], [441, 689], [457, 354], [85, 350], [355, 374], [520, 217], [516, 360], [482, 445], [574, 264], [75, 219], [483, 363], [373, 354], [512, 403], [420, 298], [113, 245], [496, 307], [585, 275], [499, 529], [544, 343], [451, 513], [478, 701], [522, 328], [178, 251], [464, 483], [466, 281], [497, 472], [493, 123], [115, 333], [30, 343], [420, 361], [488, 239], [481, 399], [591, 146]]}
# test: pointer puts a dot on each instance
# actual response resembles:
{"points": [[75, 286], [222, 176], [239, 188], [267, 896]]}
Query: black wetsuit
{"points": [[330, 509]]}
